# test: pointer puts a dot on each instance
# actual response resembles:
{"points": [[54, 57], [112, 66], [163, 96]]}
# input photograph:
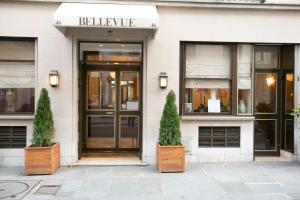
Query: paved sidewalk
{"points": [[237, 181]]}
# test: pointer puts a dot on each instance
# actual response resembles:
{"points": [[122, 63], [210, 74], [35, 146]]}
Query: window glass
{"points": [[289, 92], [265, 92], [266, 57], [207, 81], [17, 77], [111, 53], [244, 82]]}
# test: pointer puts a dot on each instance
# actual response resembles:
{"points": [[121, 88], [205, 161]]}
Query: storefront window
{"points": [[244, 81], [17, 77], [207, 78]]}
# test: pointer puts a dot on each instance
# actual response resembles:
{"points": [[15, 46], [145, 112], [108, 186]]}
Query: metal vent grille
{"points": [[12, 136], [216, 136]]}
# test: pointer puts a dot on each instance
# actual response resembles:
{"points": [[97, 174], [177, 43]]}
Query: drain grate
{"points": [[15, 190], [48, 190]]}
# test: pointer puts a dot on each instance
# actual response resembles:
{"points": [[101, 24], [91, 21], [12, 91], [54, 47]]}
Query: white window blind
{"points": [[16, 74], [16, 50], [207, 83], [207, 61], [244, 66]]}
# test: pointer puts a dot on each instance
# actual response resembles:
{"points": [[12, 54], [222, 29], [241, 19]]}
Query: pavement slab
{"points": [[201, 181]]}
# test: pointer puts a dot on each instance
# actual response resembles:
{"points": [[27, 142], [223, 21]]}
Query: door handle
{"points": [[109, 113]]}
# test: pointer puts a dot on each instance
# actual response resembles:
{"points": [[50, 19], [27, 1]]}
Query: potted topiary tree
{"points": [[43, 156], [170, 153]]}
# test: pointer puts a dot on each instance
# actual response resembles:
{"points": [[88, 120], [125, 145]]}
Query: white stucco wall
{"points": [[57, 51], [205, 24], [54, 52]]}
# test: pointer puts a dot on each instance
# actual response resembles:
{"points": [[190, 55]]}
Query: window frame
{"points": [[23, 39], [232, 80], [252, 81]]}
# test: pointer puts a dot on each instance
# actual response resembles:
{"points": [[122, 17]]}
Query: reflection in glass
{"points": [[265, 92], [130, 90], [199, 91], [100, 132], [112, 53], [265, 134], [129, 136], [266, 57], [289, 93], [17, 100], [244, 79], [289, 135], [101, 89]]}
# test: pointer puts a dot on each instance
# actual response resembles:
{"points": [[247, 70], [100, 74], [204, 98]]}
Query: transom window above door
{"points": [[111, 53]]}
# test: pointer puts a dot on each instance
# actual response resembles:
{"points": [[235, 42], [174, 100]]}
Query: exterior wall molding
{"points": [[217, 118], [228, 4]]}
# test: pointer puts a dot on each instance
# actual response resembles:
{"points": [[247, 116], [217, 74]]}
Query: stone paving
{"points": [[211, 181]]}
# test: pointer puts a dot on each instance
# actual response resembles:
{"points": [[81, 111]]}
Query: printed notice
{"points": [[214, 105]]}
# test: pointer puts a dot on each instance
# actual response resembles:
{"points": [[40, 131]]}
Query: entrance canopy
{"points": [[106, 16]]}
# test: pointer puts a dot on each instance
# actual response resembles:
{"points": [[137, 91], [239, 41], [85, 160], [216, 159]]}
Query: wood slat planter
{"points": [[170, 158], [42, 160]]}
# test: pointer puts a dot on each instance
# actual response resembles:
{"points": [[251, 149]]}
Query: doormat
{"points": [[48, 190], [16, 190]]}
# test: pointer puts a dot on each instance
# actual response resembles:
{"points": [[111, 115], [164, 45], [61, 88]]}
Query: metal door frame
{"points": [[83, 67]]}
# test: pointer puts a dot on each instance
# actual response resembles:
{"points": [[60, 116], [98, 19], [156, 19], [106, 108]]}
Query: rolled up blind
{"points": [[244, 66], [16, 50], [207, 61], [16, 74], [207, 83]]}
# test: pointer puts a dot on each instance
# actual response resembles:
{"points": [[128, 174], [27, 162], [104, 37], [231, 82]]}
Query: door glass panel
{"points": [[265, 92], [101, 132], [289, 135], [101, 90], [129, 135], [266, 57], [130, 90], [265, 134], [289, 92]]}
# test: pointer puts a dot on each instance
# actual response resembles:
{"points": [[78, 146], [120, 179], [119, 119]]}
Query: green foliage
{"points": [[43, 125], [296, 111], [169, 131]]}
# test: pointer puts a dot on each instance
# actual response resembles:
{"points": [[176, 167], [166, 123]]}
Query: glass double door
{"points": [[274, 101], [112, 108]]}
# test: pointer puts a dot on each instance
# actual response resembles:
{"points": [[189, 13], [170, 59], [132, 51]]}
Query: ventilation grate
{"points": [[12, 136], [216, 136]]}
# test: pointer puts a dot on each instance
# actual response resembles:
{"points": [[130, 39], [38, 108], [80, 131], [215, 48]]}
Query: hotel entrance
{"points": [[110, 97]]}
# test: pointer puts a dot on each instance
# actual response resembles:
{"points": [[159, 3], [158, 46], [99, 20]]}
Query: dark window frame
{"points": [[21, 39], [232, 81]]}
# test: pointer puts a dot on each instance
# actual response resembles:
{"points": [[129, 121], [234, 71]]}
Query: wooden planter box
{"points": [[170, 158], [42, 160]]}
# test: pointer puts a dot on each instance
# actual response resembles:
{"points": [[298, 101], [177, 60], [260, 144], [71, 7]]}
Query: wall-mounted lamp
{"points": [[53, 78], [163, 80]]}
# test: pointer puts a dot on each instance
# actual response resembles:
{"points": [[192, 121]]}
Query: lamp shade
{"points": [[53, 78], [163, 80]]}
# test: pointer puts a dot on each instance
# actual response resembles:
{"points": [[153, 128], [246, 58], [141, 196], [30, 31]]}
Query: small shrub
{"points": [[169, 131], [296, 111], [43, 125]]}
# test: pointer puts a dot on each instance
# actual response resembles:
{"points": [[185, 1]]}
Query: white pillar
{"points": [[297, 101]]}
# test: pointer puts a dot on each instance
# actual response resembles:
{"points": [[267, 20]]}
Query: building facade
{"points": [[234, 66]]}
